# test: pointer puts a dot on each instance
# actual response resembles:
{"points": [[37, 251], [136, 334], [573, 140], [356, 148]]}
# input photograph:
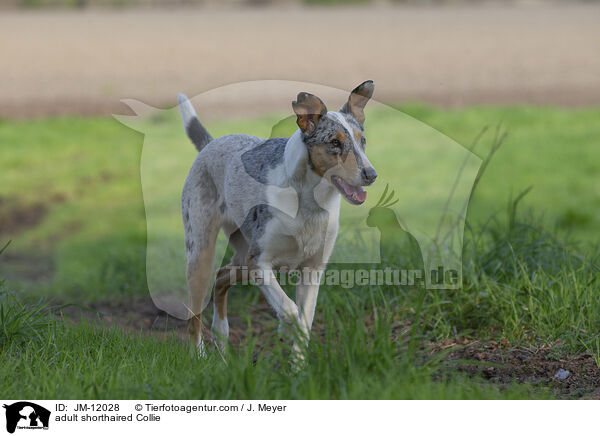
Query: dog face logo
{"points": [[26, 415]]}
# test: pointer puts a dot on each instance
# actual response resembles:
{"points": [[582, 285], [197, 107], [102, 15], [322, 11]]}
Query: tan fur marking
{"points": [[226, 277], [321, 160], [198, 277], [357, 136], [195, 328], [341, 136], [309, 110]]}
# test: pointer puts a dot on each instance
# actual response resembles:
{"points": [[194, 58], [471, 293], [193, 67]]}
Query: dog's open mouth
{"points": [[352, 194]]}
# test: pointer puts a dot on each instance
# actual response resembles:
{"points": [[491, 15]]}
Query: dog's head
{"points": [[335, 141]]}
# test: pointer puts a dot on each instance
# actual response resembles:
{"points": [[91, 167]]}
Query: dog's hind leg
{"points": [[199, 269], [201, 225], [227, 276]]}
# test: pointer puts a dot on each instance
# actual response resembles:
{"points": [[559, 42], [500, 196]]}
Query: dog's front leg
{"points": [[307, 291], [286, 309]]}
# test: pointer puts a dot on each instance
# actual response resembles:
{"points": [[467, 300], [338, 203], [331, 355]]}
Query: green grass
{"points": [[350, 362], [19, 323], [529, 270], [553, 150], [86, 171]]}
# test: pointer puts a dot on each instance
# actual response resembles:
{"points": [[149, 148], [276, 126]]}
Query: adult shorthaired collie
{"points": [[278, 202]]}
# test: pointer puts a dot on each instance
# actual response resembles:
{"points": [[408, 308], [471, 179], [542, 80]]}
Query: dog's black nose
{"points": [[369, 175]]}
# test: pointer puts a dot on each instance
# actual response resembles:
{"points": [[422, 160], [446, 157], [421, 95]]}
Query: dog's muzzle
{"points": [[368, 176]]}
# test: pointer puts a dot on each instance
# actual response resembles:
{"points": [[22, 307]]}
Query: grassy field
{"points": [[71, 203], [86, 362]]}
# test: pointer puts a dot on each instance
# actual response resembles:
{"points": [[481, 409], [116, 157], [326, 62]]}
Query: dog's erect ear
{"points": [[309, 109], [359, 97]]}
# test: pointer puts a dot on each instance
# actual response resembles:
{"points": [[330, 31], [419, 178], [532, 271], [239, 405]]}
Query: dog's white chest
{"points": [[304, 240], [310, 235]]}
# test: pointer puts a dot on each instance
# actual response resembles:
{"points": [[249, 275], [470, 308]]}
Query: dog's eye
{"points": [[336, 143], [363, 141]]}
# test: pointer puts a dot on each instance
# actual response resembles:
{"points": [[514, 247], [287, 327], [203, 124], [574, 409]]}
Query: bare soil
{"points": [[142, 316], [63, 62], [501, 363], [16, 217]]}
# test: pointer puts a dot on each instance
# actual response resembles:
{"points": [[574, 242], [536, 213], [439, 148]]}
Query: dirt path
{"points": [[69, 62]]}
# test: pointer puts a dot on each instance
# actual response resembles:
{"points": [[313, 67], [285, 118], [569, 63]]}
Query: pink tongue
{"points": [[357, 192], [360, 194]]}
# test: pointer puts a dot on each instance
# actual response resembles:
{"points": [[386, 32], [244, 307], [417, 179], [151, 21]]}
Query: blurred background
{"points": [[81, 57]]}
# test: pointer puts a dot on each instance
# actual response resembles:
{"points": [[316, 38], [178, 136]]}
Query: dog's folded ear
{"points": [[309, 109], [359, 97]]}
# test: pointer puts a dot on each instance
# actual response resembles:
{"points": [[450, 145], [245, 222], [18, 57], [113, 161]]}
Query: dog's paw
{"points": [[288, 319], [200, 350], [221, 345], [298, 357], [220, 333], [220, 342]]}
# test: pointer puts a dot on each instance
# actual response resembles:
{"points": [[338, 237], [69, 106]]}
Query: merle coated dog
{"points": [[277, 201]]}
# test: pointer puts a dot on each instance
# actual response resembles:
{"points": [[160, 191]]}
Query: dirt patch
{"points": [[139, 315], [142, 316], [16, 217], [34, 268], [66, 230], [538, 366]]}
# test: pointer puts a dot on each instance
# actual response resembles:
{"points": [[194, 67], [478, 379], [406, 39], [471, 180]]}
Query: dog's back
{"points": [[221, 172]]}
